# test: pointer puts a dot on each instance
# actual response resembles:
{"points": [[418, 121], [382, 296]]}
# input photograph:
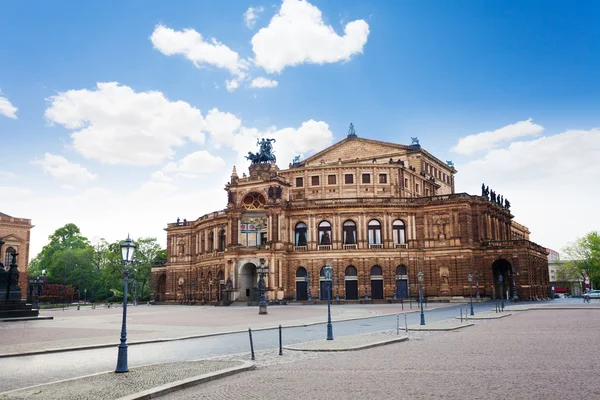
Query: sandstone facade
{"points": [[16, 233], [378, 212]]}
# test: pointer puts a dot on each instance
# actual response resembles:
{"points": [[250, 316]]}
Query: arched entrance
{"points": [[351, 281], [401, 282], [248, 282], [503, 288], [301, 287], [162, 287], [376, 283]]}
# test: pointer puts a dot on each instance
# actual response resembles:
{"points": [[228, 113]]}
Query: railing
{"points": [[375, 246], [300, 248], [513, 243], [380, 200], [400, 245], [350, 247], [324, 247]]}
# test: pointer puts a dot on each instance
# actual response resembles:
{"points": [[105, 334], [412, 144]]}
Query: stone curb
{"points": [[105, 345], [499, 315], [352, 348], [417, 328], [185, 383], [19, 319]]}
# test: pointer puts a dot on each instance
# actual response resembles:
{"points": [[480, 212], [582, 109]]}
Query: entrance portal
{"points": [[401, 282], [248, 282], [351, 283], [504, 289], [376, 283], [301, 287]]}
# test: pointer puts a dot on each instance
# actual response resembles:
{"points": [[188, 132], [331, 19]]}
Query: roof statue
{"points": [[351, 131], [415, 141], [450, 163], [265, 153], [296, 159]]}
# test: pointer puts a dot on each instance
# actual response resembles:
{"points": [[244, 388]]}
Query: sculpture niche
{"points": [[265, 153]]}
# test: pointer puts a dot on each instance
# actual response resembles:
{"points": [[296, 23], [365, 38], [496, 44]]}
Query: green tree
{"points": [[583, 258]]}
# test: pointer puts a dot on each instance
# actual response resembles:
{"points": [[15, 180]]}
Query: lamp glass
{"points": [[127, 250], [420, 276], [470, 277], [328, 272]]}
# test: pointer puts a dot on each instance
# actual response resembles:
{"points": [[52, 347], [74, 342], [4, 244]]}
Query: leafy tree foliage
{"points": [[583, 259]]}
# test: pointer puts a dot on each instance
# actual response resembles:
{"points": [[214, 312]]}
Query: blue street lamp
{"points": [[471, 291], [420, 279], [262, 271], [308, 294], [329, 278], [127, 251], [501, 281]]}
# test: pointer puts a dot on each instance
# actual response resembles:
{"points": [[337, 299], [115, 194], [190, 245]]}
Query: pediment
{"points": [[12, 238], [353, 148]]}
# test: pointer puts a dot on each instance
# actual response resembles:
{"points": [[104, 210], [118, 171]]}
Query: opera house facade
{"points": [[378, 212]]}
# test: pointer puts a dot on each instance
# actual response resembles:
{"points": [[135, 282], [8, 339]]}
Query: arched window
{"points": [[349, 232], [301, 272], [324, 233], [211, 241], [202, 243], [8, 257], [399, 232], [401, 270], [374, 232], [222, 240], [300, 234], [253, 201], [221, 276], [351, 271], [376, 271]]}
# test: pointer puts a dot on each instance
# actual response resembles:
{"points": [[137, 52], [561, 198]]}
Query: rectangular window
{"points": [[331, 179], [299, 182], [405, 182], [382, 178], [366, 178], [416, 188], [349, 179], [314, 180]]}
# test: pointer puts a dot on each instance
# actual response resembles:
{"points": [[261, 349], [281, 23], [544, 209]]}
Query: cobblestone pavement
{"points": [[531, 355], [72, 328], [111, 386]]}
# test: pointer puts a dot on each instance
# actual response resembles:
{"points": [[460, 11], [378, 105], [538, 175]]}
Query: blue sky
{"points": [[440, 70]]}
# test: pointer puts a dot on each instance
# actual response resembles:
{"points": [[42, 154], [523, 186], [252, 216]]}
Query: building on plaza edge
{"points": [[378, 212], [16, 233]]}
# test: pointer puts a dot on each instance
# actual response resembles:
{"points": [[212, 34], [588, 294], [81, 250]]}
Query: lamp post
{"points": [[308, 294], [501, 281], [477, 286], [85, 296], [37, 281], [514, 287], [420, 279], [471, 291], [127, 252], [329, 278], [262, 271]]}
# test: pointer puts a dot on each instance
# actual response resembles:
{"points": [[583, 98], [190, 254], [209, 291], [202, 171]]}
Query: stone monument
{"points": [[11, 305]]}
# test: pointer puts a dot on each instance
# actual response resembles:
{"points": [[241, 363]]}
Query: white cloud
{"points": [[7, 175], [487, 140], [160, 176], [15, 194], [231, 85], [60, 168], [68, 187], [540, 178], [199, 162], [116, 125], [261, 82], [192, 46], [6, 108], [297, 34], [222, 127], [251, 15]]}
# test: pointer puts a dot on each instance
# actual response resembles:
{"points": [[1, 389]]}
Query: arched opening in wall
{"points": [[503, 288], [220, 284], [162, 287], [323, 285], [399, 233], [248, 283], [222, 240], [300, 234], [349, 231], [401, 282], [351, 283], [374, 232], [8, 257], [301, 287], [324, 233], [211, 242], [376, 283]]}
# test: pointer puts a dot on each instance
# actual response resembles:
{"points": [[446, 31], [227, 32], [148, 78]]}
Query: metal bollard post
{"points": [[397, 324], [402, 303], [251, 344], [461, 315], [410, 302], [405, 324], [280, 342]]}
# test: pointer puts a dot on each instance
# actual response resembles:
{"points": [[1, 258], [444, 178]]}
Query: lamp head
{"points": [[328, 269], [127, 250], [420, 276], [470, 277]]}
